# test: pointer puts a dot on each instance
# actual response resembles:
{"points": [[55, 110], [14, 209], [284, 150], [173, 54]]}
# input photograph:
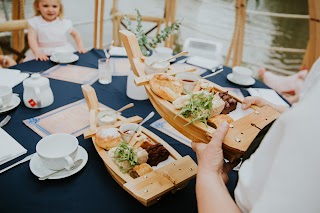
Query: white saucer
{"points": [[15, 101], [40, 170], [249, 82], [73, 58]]}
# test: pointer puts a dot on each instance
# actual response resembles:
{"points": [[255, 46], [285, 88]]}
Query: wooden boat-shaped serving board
{"points": [[175, 173], [241, 132]]}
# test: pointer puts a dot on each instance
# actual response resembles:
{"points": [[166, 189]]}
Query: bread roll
{"points": [[107, 138], [216, 121], [140, 170], [167, 87]]}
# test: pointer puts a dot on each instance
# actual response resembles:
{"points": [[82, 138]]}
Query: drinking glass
{"points": [[105, 71]]}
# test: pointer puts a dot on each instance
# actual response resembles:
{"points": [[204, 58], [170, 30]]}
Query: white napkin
{"points": [[203, 62], [9, 147], [118, 51], [11, 77], [268, 94]]}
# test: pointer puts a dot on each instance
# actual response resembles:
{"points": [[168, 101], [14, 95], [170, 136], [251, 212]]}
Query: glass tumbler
{"points": [[105, 71]]}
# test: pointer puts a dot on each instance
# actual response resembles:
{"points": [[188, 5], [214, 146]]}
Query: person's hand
{"points": [[41, 57], [82, 50], [210, 156], [253, 100], [260, 102], [7, 61]]}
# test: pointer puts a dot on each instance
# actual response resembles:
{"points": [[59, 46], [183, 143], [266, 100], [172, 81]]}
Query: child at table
{"points": [[47, 32]]}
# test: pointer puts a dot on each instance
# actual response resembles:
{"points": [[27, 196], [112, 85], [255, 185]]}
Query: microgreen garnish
{"points": [[198, 108]]}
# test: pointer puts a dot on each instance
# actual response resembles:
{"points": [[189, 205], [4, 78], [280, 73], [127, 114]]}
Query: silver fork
{"points": [[5, 120]]}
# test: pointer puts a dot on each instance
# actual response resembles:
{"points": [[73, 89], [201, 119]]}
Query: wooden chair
{"points": [[167, 19], [117, 21], [16, 27]]}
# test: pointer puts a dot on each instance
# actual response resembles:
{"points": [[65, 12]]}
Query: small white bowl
{"points": [[107, 117], [127, 131], [189, 80], [156, 68]]}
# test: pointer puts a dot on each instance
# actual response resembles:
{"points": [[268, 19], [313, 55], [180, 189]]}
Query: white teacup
{"points": [[58, 151], [127, 131], [189, 80], [63, 56], [241, 74], [5, 96]]}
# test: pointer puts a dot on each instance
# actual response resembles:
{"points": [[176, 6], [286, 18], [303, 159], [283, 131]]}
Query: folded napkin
{"points": [[268, 94], [118, 51], [203, 62], [73, 73], [73, 118], [11, 77], [9, 147]]}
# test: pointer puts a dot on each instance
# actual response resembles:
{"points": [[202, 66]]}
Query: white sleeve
{"points": [[283, 175], [33, 22], [68, 25]]}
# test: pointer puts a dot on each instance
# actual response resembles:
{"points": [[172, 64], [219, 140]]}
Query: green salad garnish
{"points": [[125, 156], [198, 108]]}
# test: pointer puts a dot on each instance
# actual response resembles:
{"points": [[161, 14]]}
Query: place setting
{"points": [[241, 76], [58, 156], [64, 57], [8, 99]]}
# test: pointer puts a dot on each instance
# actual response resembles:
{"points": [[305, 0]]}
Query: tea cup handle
{"points": [[70, 162], [37, 92], [1, 103]]}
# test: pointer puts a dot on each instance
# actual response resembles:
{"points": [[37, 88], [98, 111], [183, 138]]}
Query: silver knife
{"points": [[5, 120], [17, 163]]}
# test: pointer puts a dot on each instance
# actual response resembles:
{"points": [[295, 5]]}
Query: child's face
{"points": [[49, 9]]}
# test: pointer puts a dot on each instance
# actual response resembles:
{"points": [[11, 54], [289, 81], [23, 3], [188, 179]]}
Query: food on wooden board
{"points": [[167, 87], [216, 121], [140, 170], [107, 138]]}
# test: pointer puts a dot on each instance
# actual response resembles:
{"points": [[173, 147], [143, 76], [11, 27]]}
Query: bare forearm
{"points": [[77, 38], [32, 40], [213, 195]]}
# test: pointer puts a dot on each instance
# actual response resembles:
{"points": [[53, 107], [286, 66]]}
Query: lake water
{"points": [[211, 20]]}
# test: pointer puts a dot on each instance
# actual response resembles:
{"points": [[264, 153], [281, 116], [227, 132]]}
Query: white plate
{"points": [[40, 170], [73, 58], [249, 82], [15, 101]]}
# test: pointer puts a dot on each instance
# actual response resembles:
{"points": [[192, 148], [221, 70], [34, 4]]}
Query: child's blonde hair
{"points": [[37, 11]]}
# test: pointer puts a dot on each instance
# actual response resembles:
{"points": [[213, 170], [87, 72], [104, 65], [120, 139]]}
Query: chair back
{"points": [[17, 29]]}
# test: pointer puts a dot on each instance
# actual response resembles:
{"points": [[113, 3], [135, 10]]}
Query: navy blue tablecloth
{"points": [[92, 189]]}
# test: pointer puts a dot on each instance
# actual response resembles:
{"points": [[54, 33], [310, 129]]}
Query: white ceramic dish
{"points": [[249, 82], [40, 170], [157, 68], [15, 101], [73, 58]]}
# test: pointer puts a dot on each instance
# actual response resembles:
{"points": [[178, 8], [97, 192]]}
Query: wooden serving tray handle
{"points": [[145, 79], [243, 131], [91, 132], [153, 185]]}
